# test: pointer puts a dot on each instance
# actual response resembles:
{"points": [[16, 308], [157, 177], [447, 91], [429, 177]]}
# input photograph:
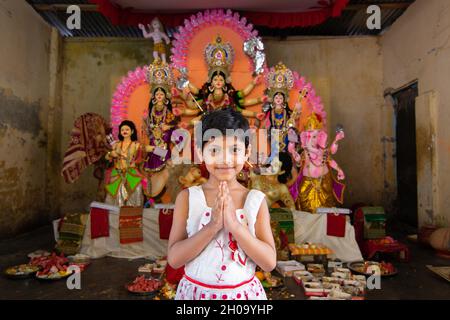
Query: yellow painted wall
{"points": [[92, 69], [24, 95], [347, 74]]}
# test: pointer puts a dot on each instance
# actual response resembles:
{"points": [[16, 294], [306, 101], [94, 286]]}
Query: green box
{"points": [[285, 221], [374, 222]]}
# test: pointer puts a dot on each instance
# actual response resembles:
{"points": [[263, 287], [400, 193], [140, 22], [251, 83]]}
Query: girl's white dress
{"points": [[221, 271]]}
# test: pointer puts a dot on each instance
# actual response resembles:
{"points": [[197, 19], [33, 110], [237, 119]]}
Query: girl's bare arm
{"points": [[182, 249]]}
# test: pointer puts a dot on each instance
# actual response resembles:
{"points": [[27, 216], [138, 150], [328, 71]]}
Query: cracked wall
{"points": [[24, 79]]}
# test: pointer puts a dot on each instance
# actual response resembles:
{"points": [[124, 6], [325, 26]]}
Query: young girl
{"points": [[221, 230]]}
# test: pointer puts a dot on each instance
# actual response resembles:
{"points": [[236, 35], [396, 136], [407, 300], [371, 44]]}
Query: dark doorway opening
{"points": [[405, 101]]}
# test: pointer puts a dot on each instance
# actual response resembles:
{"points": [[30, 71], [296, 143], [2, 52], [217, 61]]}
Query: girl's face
{"points": [[160, 96], [278, 99], [126, 131], [225, 157], [218, 82]]}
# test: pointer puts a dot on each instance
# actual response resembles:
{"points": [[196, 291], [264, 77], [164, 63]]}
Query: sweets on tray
{"points": [[339, 295], [148, 267], [287, 268], [328, 286], [169, 290], [314, 287], [268, 280], [22, 270], [53, 267], [45, 261], [142, 285], [80, 260], [53, 273], [309, 249], [302, 276], [316, 269], [38, 253], [340, 285], [160, 266], [341, 275], [370, 267]]}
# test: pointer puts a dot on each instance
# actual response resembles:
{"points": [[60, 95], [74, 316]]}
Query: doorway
{"points": [[406, 168]]}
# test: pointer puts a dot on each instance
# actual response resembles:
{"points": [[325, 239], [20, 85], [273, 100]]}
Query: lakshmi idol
{"points": [[158, 125]]}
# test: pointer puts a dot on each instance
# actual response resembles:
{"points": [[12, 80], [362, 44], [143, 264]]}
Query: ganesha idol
{"points": [[316, 184]]}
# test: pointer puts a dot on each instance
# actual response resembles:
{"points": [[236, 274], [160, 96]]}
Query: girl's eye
{"points": [[236, 150]]}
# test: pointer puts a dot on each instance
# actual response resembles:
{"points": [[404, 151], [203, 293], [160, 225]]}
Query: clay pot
{"points": [[440, 241]]}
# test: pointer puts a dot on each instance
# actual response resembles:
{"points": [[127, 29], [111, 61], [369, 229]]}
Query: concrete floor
{"points": [[105, 278]]}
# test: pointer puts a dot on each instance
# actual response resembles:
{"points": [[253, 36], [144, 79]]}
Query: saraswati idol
{"points": [[278, 114]]}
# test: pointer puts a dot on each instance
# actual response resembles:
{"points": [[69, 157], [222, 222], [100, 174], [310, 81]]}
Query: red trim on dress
{"points": [[235, 255], [211, 286]]}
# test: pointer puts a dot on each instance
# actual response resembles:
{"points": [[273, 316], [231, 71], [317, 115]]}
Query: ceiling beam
{"points": [[383, 6], [94, 7], [63, 7]]}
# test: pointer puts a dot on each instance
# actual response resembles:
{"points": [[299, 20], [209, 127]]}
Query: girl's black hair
{"points": [[131, 125], [286, 166], [224, 119]]}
